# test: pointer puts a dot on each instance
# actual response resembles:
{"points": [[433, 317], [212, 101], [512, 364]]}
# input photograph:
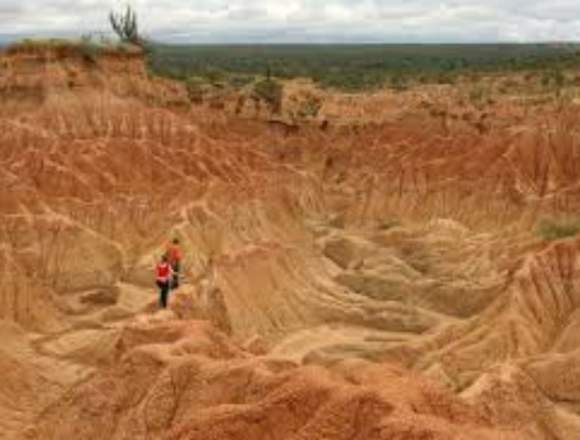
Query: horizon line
{"points": [[9, 39]]}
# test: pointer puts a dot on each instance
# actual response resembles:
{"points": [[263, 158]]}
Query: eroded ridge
{"points": [[381, 272]]}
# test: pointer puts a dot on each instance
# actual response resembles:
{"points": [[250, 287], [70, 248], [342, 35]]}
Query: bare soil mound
{"points": [[183, 380]]}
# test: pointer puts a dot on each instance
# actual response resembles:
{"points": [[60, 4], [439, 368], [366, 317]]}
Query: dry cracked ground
{"points": [[377, 273]]}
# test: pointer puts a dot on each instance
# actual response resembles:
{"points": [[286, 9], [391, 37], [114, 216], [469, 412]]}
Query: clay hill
{"points": [[404, 266]]}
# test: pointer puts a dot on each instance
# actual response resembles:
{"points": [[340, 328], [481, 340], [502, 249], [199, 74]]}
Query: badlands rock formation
{"points": [[376, 274]]}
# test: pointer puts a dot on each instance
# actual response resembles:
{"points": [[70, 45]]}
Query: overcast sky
{"points": [[315, 21]]}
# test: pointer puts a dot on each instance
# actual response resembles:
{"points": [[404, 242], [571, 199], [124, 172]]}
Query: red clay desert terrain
{"points": [[402, 267]]}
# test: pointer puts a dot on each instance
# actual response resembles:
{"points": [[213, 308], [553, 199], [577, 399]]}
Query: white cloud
{"points": [[307, 21]]}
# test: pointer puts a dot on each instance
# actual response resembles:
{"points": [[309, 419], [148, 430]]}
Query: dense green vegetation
{"points": [[356, 67]]}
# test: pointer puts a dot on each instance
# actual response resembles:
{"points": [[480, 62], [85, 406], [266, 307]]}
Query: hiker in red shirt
{"points": [[174, 256], [164, 273]]}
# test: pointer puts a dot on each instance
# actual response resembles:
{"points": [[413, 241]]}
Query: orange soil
{"points": [[375, 276]]}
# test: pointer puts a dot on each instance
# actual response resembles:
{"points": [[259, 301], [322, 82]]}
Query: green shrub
{"points": [[310, 107], [479, 95], [445, 78], [240, 81], [556, 229], [389, 224], [554, 79], [352, 81], [89, 50], [215, 77], [195, 89], [399, 83], [271, 92]]}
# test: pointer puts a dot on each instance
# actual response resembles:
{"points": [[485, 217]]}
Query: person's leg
{"points": [[163, 289], [175, 283], [168, 295]]}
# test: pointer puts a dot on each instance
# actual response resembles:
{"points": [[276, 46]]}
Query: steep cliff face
{"points": [[55, 73]]}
